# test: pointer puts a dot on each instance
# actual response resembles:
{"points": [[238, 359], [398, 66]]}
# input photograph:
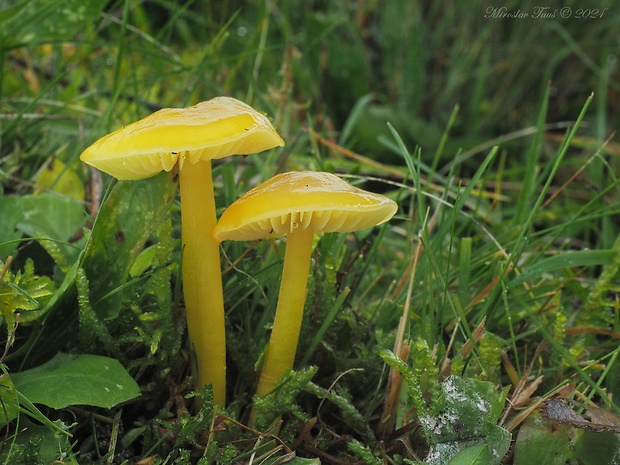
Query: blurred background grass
{"points": [[333, 65], [411, 92]]}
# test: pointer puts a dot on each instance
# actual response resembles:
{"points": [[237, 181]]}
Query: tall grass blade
{"points": [[528, 187]]}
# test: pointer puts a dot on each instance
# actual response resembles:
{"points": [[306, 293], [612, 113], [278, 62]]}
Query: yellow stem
{"points": [[202, 279], [289, 312]]}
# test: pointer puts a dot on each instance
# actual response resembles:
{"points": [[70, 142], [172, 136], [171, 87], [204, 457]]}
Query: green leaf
{"points": [[466, 414], [127, 218], [541, 440], [52, 217], [10, 214], [8, 400], [37, 444], [598, 448], [77, 380], [474, 455], [56, 217]]}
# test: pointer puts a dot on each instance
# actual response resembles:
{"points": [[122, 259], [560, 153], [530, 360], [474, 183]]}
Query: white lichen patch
{"points": [[463, 417], [452, 392], [441, 454], [443, 421], [455, 396]]}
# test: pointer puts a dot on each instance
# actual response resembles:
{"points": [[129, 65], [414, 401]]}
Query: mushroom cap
{"points": [[213, 129], [320, 201]]}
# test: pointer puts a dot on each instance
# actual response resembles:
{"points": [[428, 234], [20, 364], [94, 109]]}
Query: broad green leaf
{"points": [[127, 218], [497, 441], [473, 455], [8, 400], [77, 380], [471, 403], [466, 414], [37, 444], [547, 442], [33, 412], [10, 214], [488, 449], [57, 217], [52, 217], [598, 448], [541, 440]]}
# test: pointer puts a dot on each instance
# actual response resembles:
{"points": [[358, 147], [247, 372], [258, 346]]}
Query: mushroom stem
{"points": [[289, 311], [202, 279]]}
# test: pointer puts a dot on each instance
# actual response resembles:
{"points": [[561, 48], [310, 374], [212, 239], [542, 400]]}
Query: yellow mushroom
{"points": [[297, 205], [191, 138]]}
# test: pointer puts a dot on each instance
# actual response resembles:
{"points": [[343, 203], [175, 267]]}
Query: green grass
{"points": [[437, 336]]}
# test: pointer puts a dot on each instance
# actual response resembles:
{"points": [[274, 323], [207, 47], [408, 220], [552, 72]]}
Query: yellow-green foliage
{"points": [[593, 311], [23, 296]]}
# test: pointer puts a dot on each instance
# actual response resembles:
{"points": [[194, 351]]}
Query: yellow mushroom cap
{"points": [[213, 129], [320, 201]]}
